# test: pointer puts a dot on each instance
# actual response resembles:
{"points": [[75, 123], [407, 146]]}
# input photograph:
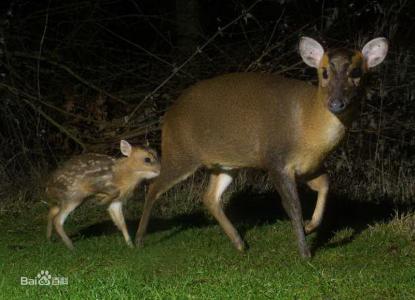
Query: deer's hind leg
{"points": [[72, 201], [213, 201]]}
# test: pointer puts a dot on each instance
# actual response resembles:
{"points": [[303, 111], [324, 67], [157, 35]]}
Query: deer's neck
{"points": [[322, 129], [125, 176]]}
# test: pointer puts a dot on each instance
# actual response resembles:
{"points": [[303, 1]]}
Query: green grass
{"points": [[194, 260]]}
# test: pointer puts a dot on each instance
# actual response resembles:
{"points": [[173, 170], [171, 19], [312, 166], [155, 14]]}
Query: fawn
{"points": [[108, 180]]}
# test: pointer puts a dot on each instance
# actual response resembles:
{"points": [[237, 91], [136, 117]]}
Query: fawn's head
{"points": [[341, 71], [141, 160]]}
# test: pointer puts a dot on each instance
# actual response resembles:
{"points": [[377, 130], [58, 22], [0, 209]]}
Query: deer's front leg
{"points": [[287, 188], [319, 184]]}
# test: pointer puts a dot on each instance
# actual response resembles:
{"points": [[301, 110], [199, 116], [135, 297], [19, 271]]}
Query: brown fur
{"points": [[108, 180], [265, 121]]}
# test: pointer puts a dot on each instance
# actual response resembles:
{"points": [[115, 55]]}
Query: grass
{"points": [[188, 256]]}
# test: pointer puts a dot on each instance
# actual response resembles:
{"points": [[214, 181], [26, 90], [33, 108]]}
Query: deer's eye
{"points": [[325, 74], [356, 73], [147, 160]]}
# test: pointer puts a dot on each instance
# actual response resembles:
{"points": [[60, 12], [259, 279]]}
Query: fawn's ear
{"points": [[311, 51], [125, 148], [375, 51]]}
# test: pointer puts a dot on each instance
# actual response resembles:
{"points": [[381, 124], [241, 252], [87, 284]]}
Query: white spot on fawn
{"points": [[91, 171]]}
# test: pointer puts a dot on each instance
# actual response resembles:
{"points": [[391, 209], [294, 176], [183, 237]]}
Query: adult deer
{"points": [[284, 126]]}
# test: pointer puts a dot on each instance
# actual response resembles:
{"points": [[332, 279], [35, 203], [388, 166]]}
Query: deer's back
{"points": [[235, 119]]}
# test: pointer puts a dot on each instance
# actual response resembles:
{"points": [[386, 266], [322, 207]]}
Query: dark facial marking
{"points": [[341, 90], [325, 74], [147, 160], [356, 73]]}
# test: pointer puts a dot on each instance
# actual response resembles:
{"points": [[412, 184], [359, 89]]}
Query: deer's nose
{"points": [[337, 105]]}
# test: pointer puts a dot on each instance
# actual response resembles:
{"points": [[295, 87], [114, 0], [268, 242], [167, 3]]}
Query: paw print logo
{"points": [[44, 278]]}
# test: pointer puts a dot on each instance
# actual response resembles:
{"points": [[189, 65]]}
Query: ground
{"points": [[187, 256]]}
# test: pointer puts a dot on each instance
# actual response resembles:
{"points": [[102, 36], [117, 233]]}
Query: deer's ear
{"points": [[125, 148], [311, 51], [375, 51]]}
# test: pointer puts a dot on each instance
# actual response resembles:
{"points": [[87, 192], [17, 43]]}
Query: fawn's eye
{"points": [[325, 74], [147, 160], [356, 73]]}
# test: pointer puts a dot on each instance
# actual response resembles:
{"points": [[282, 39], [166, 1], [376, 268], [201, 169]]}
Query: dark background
{"points": [[80, 75]]}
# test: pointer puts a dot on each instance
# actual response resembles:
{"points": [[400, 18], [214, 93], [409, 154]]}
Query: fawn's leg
{"points": [[53, 211], [115, 211], [65, 209]]}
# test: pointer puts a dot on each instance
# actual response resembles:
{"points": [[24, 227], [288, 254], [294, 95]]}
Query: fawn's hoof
{"points": [[130, 244], [239, 245]]}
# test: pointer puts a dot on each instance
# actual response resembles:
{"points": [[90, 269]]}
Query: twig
{"points": [[40, 49], [269, 49], [137, 7], [43, 102], [56, 124], [69, 70], [195, 53], [141, 48]]}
